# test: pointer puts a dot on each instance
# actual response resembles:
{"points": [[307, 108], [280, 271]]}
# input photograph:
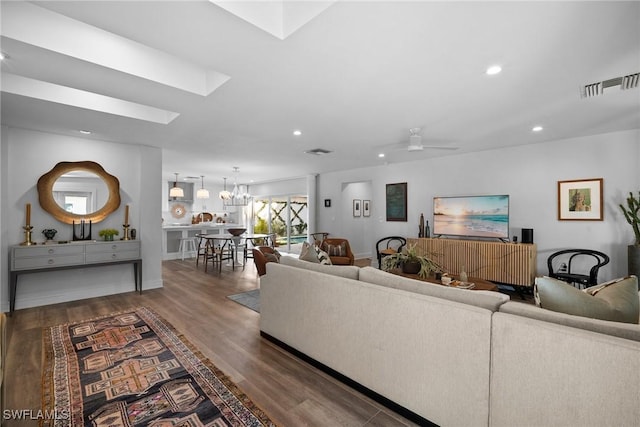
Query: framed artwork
{"points": [[580, 200], [357, 207], [366, 208], [397, 202]]}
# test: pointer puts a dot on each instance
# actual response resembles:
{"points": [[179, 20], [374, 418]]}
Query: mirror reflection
{"points": [[80, 192]]}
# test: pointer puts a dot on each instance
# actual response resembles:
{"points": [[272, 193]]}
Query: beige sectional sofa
{"points": [[450, 356]]}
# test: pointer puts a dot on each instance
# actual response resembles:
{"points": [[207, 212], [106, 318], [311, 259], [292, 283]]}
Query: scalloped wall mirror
{"points": [[74, 191]]}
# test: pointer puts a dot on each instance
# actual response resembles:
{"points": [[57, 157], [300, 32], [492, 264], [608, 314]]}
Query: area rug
{"points": [[133, 368], [250, 299]]}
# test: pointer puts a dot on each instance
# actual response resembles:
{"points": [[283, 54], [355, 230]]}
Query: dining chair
{"points": [[577, 266]]}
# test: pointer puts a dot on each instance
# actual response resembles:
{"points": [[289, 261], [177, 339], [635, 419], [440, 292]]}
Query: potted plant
{"points": [[631, 212], [410, 262], [108, 233]]}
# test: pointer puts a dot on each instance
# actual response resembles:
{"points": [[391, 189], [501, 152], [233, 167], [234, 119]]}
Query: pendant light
{"points": [[224, 194], [202, 193], [175, 190]]}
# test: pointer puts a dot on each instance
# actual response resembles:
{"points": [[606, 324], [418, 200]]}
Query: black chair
{"points": [[388, 246], [565, 271]]}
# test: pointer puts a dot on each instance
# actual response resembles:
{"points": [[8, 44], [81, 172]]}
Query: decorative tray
{"points": [[463, 285]]}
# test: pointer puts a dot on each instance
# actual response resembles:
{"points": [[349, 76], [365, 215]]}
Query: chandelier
{"points": [[239, 196], [175, 190], [202, 192]]}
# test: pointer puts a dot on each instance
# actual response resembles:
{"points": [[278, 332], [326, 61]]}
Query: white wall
{"points": [[138, 169], [529, 174]]}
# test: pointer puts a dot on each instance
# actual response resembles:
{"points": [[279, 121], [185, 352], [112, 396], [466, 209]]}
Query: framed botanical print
{"points": [[580, 200], [357, 207], [366, 208], [396, 201]]}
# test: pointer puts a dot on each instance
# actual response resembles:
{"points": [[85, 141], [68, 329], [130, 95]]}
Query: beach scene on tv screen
{"points": [[481, 216]]}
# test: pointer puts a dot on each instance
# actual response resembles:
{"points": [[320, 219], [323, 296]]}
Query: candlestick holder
{"points": [[27, 236], [126, 232]]}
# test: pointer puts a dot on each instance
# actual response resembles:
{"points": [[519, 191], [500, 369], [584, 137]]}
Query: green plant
{"points": [[108, 232], [300, 227], [261, 226], [410, 255], [631, 214]]}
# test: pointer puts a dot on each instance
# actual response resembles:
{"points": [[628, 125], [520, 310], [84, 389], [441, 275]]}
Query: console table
{"points": [[509, 263], [52, 257]]}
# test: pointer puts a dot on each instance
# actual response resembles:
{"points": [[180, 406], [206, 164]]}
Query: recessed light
{"points": [[85, 132], [381, 155], [297, 132], [3, 56], [493, 70], [537, 128]]}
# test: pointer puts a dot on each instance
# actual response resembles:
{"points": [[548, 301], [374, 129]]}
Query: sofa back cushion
{"points": [[348, 271], [616, 300], [485, 299], [617, 329]]}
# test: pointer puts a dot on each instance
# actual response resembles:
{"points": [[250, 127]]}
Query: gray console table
{"points": [[42, 258]]}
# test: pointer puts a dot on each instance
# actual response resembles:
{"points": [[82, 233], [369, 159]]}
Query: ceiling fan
{"points": [[415, 143]]}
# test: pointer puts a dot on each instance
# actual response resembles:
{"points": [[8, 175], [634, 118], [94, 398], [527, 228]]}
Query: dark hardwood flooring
{"points": [[290, 391]]}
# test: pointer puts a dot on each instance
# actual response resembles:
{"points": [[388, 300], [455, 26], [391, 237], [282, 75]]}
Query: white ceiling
{"points": [[353, 79]]}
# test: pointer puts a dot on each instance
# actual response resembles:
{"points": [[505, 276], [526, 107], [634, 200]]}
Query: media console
{"points": [[508, 263]]}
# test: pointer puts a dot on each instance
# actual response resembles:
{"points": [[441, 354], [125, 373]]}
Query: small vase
{"points": [[109, 238]]}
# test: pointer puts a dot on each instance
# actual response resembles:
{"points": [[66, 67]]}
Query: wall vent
{"points": [[629, 81], [318, 151]]}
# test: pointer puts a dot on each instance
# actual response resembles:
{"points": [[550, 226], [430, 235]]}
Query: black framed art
{"points": [[396, 201]]}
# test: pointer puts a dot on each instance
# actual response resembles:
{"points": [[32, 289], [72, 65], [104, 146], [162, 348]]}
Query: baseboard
{"points": [[400, 410]]}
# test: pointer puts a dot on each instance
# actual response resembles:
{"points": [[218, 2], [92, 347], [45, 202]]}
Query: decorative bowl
{"points": [[236, 231]]}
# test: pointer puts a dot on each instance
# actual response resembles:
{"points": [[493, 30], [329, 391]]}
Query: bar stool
{"points": [[187, 247]]}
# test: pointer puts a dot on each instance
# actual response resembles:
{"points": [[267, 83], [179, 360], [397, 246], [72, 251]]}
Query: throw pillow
{"points": [[308, 253], [616, 301], [272, 257], [323, 257], [337, 250]]}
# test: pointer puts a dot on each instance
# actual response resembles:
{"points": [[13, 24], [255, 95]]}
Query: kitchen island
{"points": [[172, 233]]}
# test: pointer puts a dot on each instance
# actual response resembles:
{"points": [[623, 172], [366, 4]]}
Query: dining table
{"points": [[225, 243]]}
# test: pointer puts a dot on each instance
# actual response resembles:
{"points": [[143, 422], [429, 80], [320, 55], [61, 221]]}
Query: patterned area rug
{"points": [[133, 368], [250, 299]]}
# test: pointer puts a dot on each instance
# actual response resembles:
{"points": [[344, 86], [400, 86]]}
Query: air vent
{"points": [[596, 89], [318, 151]]}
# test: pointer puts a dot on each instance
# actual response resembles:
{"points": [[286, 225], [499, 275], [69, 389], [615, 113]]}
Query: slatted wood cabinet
{"points": [[510, 263]]}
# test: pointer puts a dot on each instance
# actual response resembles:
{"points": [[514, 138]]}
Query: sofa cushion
{"points": [[617, 329], [485, 299], [323, 257], [308, 253], [616, 301], [271, 257], [348, 271], [339, 250]]}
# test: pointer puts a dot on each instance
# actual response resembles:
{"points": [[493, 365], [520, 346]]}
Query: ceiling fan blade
{"points": [[440, 147]]}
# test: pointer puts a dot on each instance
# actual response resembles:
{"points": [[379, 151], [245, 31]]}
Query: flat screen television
{"points": [[472, 216]]}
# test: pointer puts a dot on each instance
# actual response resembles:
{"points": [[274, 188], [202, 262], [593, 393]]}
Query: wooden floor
{"points": [[290, 391]]}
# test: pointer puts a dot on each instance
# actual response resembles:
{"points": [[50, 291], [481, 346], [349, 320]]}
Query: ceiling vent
{"points": [[596, 89], [318, 151]]}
